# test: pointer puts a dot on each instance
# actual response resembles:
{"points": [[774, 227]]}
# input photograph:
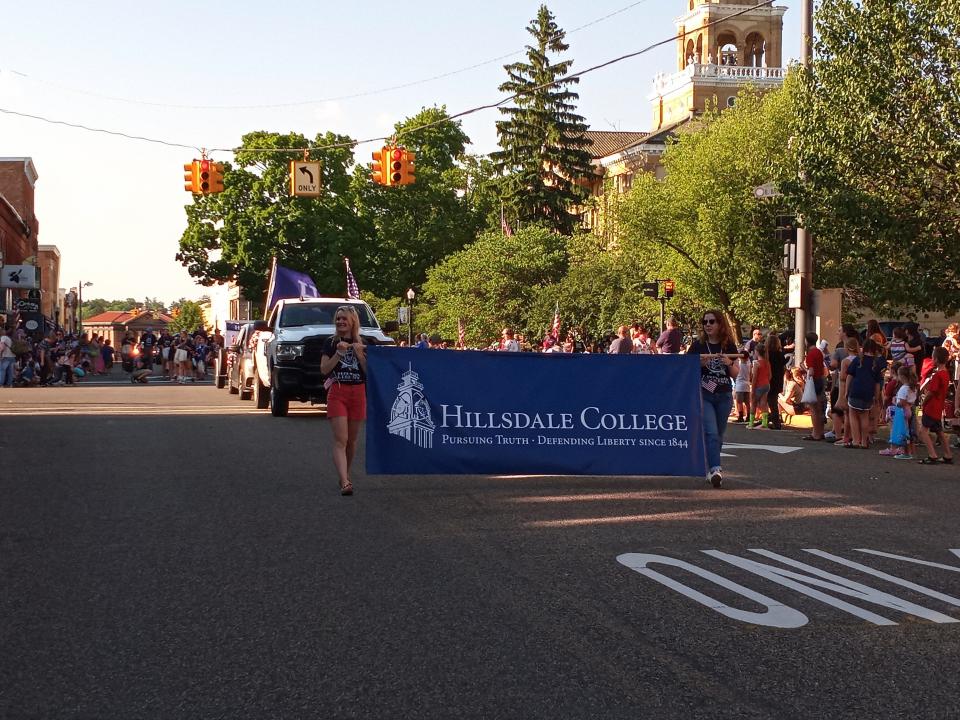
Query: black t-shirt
{"points": [[715, 375], [348, 370], [148, 340]]}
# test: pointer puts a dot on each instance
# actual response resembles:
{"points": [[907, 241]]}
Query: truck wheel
{"points": [[245, 392], [261, 393], [279, 403]]}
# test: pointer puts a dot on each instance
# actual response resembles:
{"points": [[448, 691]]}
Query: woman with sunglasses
{"points": [[717, 353], [344, 363]]}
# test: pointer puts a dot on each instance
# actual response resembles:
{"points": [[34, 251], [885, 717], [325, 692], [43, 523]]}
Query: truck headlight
{"points": [[289, 351]]}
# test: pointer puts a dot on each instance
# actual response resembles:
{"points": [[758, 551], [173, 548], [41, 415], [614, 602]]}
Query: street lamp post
{"points": [[80, 287], [804, 238], [410, 296]]}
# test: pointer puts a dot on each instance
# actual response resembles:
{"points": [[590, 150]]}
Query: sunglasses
{"points": [[709, 321]]}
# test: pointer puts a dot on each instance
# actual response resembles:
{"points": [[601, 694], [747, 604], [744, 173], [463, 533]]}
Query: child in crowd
{"points": [[903, 432], [742, 387], [863, 377], [789, 399], [892, 383], [934, 389], [759, 388], [898, 347]]}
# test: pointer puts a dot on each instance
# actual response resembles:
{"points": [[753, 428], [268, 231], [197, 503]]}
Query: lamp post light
{"points": [[80, 287], [410, 296]]}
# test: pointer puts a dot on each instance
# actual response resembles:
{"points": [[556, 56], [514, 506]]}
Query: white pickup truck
{"points": [[287, 354]]}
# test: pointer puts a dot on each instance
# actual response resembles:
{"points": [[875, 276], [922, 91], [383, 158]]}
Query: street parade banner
{"points": [[488, 413]]}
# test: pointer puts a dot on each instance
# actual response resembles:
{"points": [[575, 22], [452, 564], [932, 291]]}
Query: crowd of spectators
{"points": [[61, 358]]}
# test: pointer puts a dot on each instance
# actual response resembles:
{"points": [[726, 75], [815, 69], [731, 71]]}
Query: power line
{"points": [[409, 131], [78, 126], [302, 103]]}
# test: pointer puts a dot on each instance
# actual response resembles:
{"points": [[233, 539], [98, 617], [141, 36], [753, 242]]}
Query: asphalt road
{"points": [[170, 552]]}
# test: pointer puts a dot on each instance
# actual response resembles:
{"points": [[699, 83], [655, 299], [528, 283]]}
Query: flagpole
{"points": [[270, 286]]}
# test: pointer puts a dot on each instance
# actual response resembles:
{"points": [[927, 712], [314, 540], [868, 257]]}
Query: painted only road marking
{"points": [[778, 449], [804, 579]]}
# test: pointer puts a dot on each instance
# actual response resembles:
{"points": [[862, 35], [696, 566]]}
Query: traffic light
{"points": [[669, 286], [377, 166], [191, 182], [408, 168], [395, 166], [203, 181], [216, 177], [786, 231]]}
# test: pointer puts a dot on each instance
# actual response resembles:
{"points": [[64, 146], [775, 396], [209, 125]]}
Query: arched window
{"points": [[700, 48], [690, 53], [727, 43], [756, 50]]}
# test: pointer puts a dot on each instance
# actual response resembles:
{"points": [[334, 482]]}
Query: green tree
{"points": [[702, 225], [189, 317], [878, 141], [543, 143], [234, 235], [412, 227], [491, 283]]}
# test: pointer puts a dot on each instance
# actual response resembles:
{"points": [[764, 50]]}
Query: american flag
{"points": [[504, 225], [461, 333], [353, 292], [555, 329]]}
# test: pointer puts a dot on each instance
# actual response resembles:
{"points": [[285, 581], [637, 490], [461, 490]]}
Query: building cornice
{"points": [[29, 169], [725, 10]]}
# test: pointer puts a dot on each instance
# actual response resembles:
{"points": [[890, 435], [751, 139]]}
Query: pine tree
{"points": [[542, 140]]}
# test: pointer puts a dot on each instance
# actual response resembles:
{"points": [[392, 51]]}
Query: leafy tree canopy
{"points": [[877, 134], [255, 218], [412, 227], [702, 224], [188, 316], [493, 283]]}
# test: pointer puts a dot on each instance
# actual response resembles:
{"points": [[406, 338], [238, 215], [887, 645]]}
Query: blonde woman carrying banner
{"points": [[344, 363]]}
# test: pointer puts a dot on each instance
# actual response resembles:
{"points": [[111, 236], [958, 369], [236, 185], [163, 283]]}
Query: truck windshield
{"points": [[322, 314]]}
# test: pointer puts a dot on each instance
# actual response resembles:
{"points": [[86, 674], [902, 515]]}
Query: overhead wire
{"points": [[408, 131], [319, 101]]}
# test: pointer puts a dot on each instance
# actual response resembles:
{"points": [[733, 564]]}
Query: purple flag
{"points": [[286, 283]]}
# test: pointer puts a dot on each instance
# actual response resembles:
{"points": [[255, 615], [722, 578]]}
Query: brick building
{"points": [[19, 226]]}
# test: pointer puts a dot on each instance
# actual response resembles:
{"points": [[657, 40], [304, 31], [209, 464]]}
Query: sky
{"points": [[202, 75]]}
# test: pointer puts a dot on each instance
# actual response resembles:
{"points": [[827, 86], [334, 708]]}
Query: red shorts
{"points": [[349, 401]]}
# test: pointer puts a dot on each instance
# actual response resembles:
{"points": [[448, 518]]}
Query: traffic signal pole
{"points": [[804, 238]]}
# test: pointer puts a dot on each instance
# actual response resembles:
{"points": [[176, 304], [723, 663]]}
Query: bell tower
{"points": [[717, 55]]}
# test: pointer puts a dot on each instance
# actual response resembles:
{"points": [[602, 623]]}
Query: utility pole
{"points": [[804, 239]]}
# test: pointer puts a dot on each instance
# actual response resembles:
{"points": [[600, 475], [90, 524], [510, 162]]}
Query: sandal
{"points": [[812, 438], [346, 489], [946, 460], [930, 461]]}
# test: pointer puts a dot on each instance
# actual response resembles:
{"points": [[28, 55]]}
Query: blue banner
{"points": [[487, 413], [286, 283]]}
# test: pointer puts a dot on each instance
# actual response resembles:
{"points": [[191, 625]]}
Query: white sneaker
{"points": [[715, 477], [830, 435]]}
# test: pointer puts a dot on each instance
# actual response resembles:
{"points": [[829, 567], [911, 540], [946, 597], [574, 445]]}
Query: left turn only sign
{"points": [[304, 178]]}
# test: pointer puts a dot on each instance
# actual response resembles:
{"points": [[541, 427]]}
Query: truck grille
{"points": [[313, 351]]}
